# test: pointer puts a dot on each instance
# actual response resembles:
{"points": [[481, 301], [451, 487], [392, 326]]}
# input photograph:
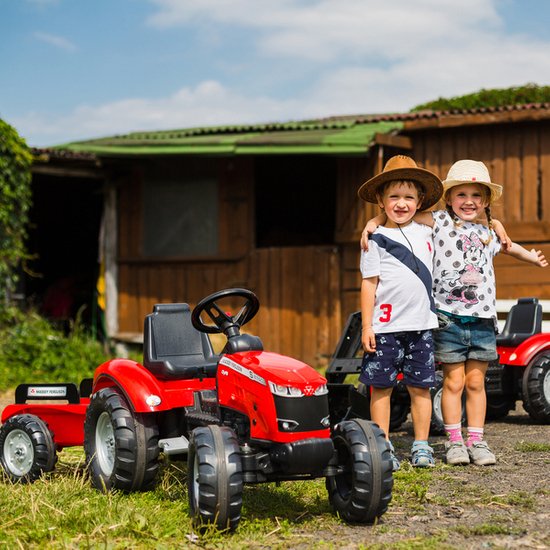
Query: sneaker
{"points": [[481, 455], [395, 464], [422, 456], [456, 453]]}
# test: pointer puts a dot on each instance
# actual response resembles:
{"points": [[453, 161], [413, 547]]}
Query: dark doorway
{"points": [[295, 200], [65, 219]]}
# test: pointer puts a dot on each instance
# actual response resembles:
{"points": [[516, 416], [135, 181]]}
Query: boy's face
{"points": [[400, 202]]}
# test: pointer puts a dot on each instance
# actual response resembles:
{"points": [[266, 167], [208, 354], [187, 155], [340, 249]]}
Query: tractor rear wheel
{"points": [[214, 477], [536, 388], [499, 407], [26, 448], [400, 405], [362, 491], [121, 446]]}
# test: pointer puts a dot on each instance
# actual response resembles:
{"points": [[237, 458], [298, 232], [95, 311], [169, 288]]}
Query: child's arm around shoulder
{"points": [[535, 257], [425, 218]]}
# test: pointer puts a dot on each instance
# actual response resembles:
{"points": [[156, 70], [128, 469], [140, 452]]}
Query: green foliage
{"points": [[33, 350], [495, 97], [15, 201]]}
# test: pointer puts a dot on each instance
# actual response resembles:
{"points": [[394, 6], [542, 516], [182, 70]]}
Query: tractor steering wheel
{"points": [[223, 321]]}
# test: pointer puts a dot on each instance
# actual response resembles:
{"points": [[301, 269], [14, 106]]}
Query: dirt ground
{"points": [[503, 506]]}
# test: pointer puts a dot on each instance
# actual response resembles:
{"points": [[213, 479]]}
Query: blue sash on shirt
{"points": [[407, 258]]}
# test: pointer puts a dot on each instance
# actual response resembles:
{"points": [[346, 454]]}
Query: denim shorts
{"points": [[458, 341], [408, 352]]}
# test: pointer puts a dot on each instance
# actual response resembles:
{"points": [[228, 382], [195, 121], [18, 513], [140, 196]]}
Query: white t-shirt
{"points": [[403, 299], [464, 277]]}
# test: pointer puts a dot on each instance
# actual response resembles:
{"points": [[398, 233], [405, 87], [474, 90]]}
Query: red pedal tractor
{"points": [[245, 416]]}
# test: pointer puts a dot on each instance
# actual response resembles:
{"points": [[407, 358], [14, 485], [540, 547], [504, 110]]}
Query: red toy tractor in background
{"points": [[522, 371], [245, 416]]}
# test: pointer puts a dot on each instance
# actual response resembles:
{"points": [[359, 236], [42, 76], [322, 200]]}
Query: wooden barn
{"points": [[273, 208]]}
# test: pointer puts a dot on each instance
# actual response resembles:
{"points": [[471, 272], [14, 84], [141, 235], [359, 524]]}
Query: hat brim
{"points": [[495, 188], [433, 189]]}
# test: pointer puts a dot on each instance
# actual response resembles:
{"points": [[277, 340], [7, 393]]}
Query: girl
{"points": [[465, 296]]}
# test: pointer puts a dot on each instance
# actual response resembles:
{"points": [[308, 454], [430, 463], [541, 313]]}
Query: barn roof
{"points": [[324, 136], [347, 134]]}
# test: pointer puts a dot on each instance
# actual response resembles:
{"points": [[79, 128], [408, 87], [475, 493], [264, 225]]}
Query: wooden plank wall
{"points": [[518, 157], [299, 289]]}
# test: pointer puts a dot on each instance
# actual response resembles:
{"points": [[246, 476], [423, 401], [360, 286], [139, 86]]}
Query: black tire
{"points": [[437, 426], [499, 407], [400, 406], [121, 446], [215, 478], [26, 448], [362, 492], [536, 388]]}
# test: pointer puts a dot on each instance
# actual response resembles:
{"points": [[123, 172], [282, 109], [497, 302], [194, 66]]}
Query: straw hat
{"points": [[471, 171], [401, 167]]}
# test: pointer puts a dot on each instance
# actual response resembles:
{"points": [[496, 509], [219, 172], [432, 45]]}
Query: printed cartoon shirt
{"points": [[464, 277], [403, 300]]}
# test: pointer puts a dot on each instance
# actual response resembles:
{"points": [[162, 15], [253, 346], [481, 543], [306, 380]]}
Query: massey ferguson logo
{"points": [[308, 390]]}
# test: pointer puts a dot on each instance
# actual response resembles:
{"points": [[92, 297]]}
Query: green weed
{"points": [[526, 447]]}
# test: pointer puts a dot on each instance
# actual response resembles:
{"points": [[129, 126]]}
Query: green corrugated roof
{"points": [[329, 136]]}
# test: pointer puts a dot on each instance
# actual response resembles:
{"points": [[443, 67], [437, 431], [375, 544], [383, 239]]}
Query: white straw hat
{"points": [[471, 171]]}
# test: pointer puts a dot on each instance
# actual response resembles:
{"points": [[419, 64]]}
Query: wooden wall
{"points": [[298, 287]]}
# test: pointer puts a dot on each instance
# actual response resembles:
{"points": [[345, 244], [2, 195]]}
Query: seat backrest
{"points": [[523, 320], [173, 348]]}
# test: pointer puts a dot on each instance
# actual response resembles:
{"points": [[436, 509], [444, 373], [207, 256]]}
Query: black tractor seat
{"points": [[523, 321], [173, 348]]}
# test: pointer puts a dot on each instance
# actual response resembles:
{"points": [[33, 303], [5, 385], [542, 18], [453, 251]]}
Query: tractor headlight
{"points": [[321, 390], [285, 391]]}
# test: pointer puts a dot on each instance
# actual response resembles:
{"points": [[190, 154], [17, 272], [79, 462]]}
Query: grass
{"points": [[525, 447]]}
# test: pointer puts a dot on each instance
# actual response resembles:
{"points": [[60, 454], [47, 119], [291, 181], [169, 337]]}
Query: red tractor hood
{"points": [[276, 368]]}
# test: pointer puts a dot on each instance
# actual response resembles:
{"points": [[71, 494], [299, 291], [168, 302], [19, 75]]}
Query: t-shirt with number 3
{"points": [[404, 299]]}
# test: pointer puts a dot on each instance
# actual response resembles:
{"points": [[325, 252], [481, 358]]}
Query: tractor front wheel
{"points": [[121, 446], [362, 491], [26, 448], [214, 477], [536, 389]]}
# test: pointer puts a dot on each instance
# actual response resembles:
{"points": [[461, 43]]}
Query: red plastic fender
{"points": [[523, 354], [144, 392]]}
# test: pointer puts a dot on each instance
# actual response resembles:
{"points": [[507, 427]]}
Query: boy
{"points": [[397, 306]]}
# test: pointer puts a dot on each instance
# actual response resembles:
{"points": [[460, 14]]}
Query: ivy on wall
{"points": [[15, 201], [496, 97]]}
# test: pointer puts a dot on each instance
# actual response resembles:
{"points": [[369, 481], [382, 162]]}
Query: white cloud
{"points": [[361, 57], [54, 40], [207, 104]]}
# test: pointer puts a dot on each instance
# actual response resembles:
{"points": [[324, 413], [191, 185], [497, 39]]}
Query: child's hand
{"points": [[505, 241], [368, 340], [538, 258], [370, 228]]}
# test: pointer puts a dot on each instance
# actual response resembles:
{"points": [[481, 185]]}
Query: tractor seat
{"points": [[173, 348], [524, 320]]}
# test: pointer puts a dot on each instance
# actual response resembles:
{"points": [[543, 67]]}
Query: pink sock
{"points": [[454, 432], [475, 435]]}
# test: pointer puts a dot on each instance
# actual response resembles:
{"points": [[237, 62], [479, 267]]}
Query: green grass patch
{"points": [[525, 447]]}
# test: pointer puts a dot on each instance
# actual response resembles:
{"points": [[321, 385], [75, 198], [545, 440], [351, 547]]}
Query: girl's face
{"points": [[468, 201], [400, 201]]}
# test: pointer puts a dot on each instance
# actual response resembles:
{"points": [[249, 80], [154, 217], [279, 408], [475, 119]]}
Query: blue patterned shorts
{"points": [[409, 352]]}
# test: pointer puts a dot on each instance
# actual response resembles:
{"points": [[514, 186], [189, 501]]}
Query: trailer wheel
{"points": [[26, 448], [215, 478], [499, 407], [536, 389], [437, 426], [362, 491], [121, 446]]}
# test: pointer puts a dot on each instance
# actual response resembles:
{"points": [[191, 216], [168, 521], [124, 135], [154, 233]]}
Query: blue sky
{"points": [[78, 69]]}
